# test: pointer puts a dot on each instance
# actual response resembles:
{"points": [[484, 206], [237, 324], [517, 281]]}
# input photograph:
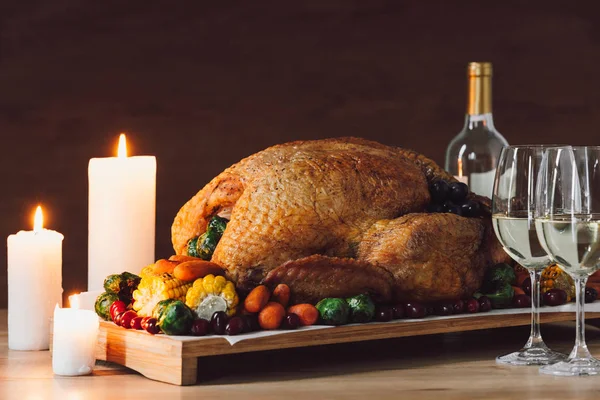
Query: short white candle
{"points": [[74, 341], [34, 285], [122, 208]]}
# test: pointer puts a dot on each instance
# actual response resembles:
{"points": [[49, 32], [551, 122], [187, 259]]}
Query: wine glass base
{"points": [[573, 367], [531, 356]]}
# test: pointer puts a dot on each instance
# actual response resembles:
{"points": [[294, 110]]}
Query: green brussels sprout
{"points": [[159, 308], [204, 246], [122, 285], [192, 247], [496, 276], [176, 318], [217, 224], [500, 296], [103, 303], [333, 311], [362, 308]]}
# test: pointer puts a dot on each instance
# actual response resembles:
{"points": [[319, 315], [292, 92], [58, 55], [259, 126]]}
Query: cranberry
{"points": [[470, 209], [458, 306], [250, 322], [443, 309], [435, 208], [144, 322], [200, 327], [591, 294], [136, 323], [234, 326], [472, 306], [439, 191], [485, 304], [116, 308], [415, 310], [384, 314], [452, 208], [398, 311], [152, 326], [458, 192], [555, 297], [521, 301], [126, 317], [291, 321], [218, 322], [117, 319]]}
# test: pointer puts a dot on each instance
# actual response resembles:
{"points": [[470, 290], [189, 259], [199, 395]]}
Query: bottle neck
{"points": [[479, 101], [479, 122]]}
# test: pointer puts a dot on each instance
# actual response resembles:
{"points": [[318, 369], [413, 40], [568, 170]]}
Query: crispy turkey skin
{"points": [[341, 199]]}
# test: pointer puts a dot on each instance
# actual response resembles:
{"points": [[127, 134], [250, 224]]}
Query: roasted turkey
{"points": [[338, 217]]}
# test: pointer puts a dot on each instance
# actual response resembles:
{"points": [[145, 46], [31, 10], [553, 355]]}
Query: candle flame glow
{"points": [[122, 151], [38, 220], [74, 301]]}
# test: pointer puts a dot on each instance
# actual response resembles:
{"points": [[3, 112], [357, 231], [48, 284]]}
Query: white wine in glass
{"points": [[513, 220], [567, 220]]}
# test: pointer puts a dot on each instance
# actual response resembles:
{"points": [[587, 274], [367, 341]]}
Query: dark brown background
{"points": [[203, 84]]}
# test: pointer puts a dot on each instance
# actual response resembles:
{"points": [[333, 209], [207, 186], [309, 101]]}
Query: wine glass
{"points": [[513, 206], [567, 221]]}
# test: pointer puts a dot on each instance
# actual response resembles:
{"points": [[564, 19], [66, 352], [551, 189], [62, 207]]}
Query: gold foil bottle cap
{"points": [[479, 69]]}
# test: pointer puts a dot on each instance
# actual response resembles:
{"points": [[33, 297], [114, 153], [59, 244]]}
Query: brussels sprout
{"points": [[362, 308], [333, 311], [217, 224], [112, 283], [192, 247], [103, 303], [122, 285], [501, 296], [176, 318], [159, 308]]}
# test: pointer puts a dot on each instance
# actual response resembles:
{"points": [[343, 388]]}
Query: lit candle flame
{"points": [[38, 220], [74, 301], [122, 151]]}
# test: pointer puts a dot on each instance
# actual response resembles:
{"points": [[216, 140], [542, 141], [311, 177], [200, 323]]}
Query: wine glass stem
{"points": [[535, 338], [580, 350]]}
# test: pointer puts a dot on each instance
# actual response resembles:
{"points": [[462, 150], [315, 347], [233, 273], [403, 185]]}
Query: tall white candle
{"points": [[74, 341], [122, 208], [34, 285]]}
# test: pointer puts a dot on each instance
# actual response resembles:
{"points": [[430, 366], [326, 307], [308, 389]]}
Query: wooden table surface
{"points": [[452, 366]]}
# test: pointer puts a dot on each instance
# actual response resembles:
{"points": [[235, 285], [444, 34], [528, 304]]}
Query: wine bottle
{"points": [[472, 155]]}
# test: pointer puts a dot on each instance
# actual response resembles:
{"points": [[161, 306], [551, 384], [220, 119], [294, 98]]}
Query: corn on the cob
{"points": [[555, 278], [211, 294], [154, 288]]}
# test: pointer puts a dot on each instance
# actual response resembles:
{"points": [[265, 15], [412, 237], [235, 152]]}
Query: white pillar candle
{"points": [[74, 341], [122, 208], [84, 300], [34, 285]]}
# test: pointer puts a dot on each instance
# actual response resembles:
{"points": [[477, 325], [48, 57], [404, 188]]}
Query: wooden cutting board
{"points": [[175, 361]]}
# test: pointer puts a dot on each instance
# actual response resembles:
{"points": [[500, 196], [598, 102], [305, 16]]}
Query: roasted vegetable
{"points": [[361, 307], [333, 311], [500, 296], [503, 295], [555, 278], [204, 246], [160, 307], [498, 273], [156, 287], [192, 247], [211, 294], [176, 318], [122, 285], [103, 303]]}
